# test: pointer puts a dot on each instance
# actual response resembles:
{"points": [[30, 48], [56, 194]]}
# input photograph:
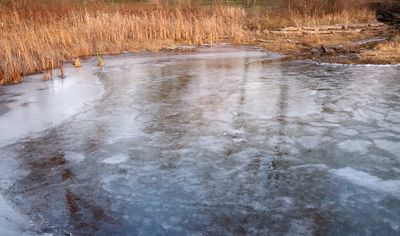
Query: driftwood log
{"points": [[328, 29]]}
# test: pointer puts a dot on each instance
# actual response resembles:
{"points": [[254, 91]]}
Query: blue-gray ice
{"points": [[216, 141]]}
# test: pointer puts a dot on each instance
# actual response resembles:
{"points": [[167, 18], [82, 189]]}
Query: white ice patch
{"points": [[361, 115], [355, 146], [366, 180], [393, 117], [390, 146], [11, 221], [346, 131], [310, 142], [116, 159], [389, 126], [312, 166], [302, 104], [50, 103], [74, 157], [380, 135]]}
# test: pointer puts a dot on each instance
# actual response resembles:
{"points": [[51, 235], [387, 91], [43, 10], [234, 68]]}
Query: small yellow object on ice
{"points": [[77, 63], [100, 61]]}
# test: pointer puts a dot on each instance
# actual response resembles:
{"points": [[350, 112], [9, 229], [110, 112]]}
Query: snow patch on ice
{"points": [[74, 156], [367, 180], [390, 146], [346, 131], [313, 166], [116, 159], [355, 146]]}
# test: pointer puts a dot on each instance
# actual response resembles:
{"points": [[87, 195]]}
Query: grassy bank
{"points": [[386, 53], [41, 35], [312, 23]]}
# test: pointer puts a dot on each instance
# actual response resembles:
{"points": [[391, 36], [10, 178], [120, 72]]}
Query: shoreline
{"points": [[301, 55], [45, 39], [373, 43], [362, 48]]}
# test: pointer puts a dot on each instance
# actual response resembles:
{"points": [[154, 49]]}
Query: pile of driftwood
{"points": [[331, 29]]}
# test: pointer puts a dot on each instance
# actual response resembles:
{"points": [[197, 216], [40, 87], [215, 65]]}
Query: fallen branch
{"points": [[333, 27], [300, 32]]}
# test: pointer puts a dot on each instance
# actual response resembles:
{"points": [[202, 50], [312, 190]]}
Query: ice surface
{"points": [[74, 157], [208, 142], [13, 223], [390, 146], [359, 146], [369, 181], [393, 117], [117, 159], [38, 105]]}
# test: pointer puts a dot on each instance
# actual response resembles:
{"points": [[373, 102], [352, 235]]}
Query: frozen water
{"points": [[360, 146], [74, 156], [369, 181], [12, 222], [390, 146], [117, 159], [208, 142], [45, 104]]}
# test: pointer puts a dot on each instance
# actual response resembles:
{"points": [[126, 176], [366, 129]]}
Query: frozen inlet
{"points": [[211, 141]]}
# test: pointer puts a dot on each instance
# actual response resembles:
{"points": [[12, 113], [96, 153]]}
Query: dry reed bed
{"points": [[39, 35], [386, 53], [274, 20], [31, 44]]}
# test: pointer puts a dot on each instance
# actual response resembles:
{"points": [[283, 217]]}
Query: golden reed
{"points": [[40, 35], [35, 39]]}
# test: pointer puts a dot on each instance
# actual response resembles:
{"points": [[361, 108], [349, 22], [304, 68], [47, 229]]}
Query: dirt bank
{"points": [[369, 43]]}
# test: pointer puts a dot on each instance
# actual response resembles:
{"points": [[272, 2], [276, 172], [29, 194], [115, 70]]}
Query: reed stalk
{"points": [[29, 35]]}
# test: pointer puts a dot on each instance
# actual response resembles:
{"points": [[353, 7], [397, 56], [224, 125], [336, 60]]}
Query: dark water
{"points": [[213, 142]]}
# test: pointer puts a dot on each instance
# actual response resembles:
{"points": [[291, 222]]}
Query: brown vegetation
{"points": [[299, 13], [35, 38], [386, 53], [312, 23], [38, 35]]}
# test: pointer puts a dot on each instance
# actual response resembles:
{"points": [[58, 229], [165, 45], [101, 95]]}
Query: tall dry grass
{"points": [[276, 20], [37, 35], [386, 53], [35, 39], [313, 13]]}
